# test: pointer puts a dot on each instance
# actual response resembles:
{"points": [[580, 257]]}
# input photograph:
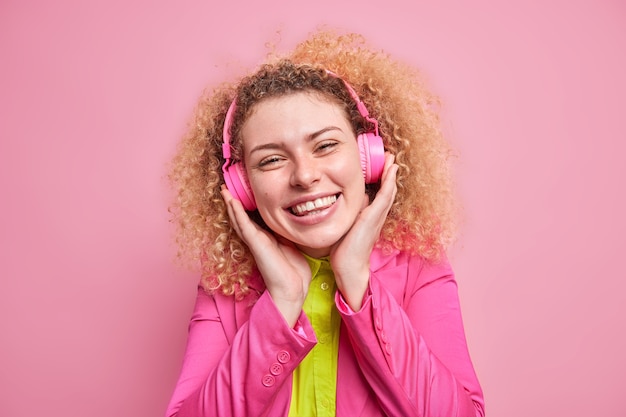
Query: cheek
{"points": [[354, 168], [354, 171], [266, 192]]}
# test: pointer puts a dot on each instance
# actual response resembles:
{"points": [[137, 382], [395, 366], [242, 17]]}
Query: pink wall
{"points": [[93, 311]]}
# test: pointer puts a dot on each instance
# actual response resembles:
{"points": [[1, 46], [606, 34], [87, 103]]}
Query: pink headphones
{"points": [[370, 144]]}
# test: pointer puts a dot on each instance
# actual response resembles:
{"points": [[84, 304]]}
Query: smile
{"points": [[312, 207]]}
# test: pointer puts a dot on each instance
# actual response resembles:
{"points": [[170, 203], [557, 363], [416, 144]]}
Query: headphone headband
{"points": [[359, 104]]}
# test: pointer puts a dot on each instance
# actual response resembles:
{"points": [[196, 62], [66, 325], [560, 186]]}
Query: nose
{"points": [[305, 172]]}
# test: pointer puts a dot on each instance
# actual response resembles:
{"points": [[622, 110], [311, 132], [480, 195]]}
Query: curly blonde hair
{"points": [[421, 219]]}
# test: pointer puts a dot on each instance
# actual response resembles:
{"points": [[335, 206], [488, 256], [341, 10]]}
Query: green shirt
{"points": [[315, 379]]}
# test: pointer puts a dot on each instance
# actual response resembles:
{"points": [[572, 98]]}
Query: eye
{"points": [[326, 146], [270, 162]]}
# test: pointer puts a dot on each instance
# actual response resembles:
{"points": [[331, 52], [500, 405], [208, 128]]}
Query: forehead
{"points": [[300, 108], [317, 97]]}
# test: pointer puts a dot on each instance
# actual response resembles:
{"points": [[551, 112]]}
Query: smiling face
{"points": [[303, 164]]}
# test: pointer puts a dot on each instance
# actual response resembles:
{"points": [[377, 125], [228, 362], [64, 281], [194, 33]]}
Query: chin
{"points": [[321, 247]]}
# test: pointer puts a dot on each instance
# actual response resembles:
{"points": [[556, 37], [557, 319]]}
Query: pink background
{"points": [[93, 309]]}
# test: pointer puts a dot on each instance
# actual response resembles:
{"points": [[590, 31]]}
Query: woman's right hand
{"points": [[284, 269]]}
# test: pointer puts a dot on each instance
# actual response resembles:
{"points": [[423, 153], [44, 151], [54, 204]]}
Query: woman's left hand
{"points": [[350, 256]]}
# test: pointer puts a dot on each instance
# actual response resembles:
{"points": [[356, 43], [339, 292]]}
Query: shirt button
{"points": [[268, 380], [276, 369], [323, 339], [325, 403], [283, 356], [324, 286]]}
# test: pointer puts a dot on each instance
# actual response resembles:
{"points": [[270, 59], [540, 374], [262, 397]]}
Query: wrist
{"points": [[353, 288], [288, 304]]}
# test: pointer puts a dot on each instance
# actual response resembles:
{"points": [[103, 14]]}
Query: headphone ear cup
{"points": [[238, 185], [372, 153]]}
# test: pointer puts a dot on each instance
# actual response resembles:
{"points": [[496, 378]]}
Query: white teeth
{"points": [[313, 205]]}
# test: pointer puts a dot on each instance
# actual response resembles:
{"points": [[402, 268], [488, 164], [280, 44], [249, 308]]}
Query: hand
{"points": [[284, 269], [350, 256]]}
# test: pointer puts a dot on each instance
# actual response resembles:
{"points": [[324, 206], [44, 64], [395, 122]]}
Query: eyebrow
{"points": [[274, 145]]}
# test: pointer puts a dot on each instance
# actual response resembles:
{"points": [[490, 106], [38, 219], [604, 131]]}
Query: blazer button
{"points": [[378, 323], [283, 356], [276, 369], [388, 349], [268, 380]]}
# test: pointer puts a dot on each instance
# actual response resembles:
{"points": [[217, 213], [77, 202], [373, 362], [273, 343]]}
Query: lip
{"points": [[304, 199], [318, 217]]}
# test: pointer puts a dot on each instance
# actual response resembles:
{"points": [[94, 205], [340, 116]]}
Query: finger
{"points": [[239, 219], [386, 194], [232, 217], [389, 187], [390, 169], [389, 175], [389, 160]]}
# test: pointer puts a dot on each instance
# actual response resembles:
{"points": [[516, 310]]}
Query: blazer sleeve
{"points": [[409, 341], [240, 377]]}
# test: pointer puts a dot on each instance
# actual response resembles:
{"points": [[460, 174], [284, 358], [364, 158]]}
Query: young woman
{"points": [[315, 193]]}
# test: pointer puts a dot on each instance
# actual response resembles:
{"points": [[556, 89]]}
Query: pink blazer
{"points": [[403, 354]]}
